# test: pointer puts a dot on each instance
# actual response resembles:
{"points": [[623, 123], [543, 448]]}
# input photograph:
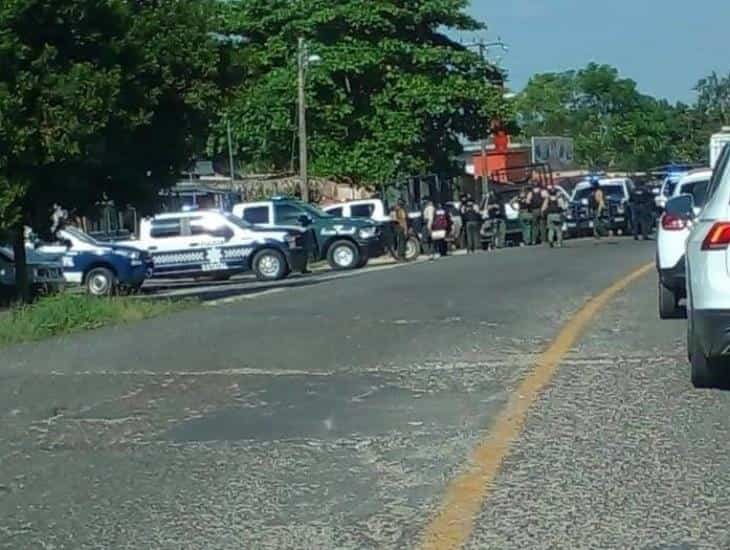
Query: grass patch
{"points": [[66, 313]]}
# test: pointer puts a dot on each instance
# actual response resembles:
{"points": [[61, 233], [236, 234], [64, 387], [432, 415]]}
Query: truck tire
{"points": [[668, 303], [343, 255], [100, 281], [413, 248], [270, 265]]}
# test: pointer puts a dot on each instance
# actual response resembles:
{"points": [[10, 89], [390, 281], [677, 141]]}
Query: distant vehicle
{"points": [[671, 242], [346, 243], [45, 273], [102, 268], [579, 216], [708, 277], [666, 190], [717, 143], [219, 245], [374, 209]]}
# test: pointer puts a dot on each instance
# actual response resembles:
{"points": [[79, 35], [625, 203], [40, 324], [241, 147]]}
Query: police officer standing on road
{"points": [[535, 200], [472, 226], [400, 228], [496, 215], [521, 203], [598, 205], [554, 209], [641, 203]]}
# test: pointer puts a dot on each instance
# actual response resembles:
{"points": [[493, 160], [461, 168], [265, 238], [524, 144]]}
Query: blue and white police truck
{"points": [[218, 244], [102, 268]]}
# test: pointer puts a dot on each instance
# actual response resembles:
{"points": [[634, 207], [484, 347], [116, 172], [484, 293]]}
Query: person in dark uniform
{"points": [[535, 200], [472, 225], [641, 203], [554, 211], [522, 204], [496, 215]]}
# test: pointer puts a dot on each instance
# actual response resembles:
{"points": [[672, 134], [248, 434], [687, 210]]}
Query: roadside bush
{"points": [[65, 313]]}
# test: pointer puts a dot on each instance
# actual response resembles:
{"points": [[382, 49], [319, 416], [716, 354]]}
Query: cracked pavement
{"points": [[334, 415]]}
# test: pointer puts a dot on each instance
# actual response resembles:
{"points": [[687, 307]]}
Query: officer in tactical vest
{"points": [[535, 200], [554, 212]]}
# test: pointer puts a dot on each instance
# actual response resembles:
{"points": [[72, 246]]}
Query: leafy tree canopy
{"points": [[99, 98], [392, 92]]}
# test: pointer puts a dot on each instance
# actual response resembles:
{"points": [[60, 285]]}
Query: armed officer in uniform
{"points": [[641, 204]]}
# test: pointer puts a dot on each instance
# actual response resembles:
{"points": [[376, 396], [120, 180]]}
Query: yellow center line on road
{"points": [[453, 523]]}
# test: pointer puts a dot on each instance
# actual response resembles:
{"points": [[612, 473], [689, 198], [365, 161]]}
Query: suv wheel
{"points": [[343, 255], [100, 281], [668, 303], [270, 265]]}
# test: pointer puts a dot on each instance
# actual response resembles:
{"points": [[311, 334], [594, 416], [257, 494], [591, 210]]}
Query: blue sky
{"points": [[665, 45]]}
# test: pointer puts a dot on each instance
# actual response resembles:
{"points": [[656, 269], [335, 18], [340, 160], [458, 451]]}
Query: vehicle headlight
{"points": [[8, 272], [133, 255], [368, 232]]}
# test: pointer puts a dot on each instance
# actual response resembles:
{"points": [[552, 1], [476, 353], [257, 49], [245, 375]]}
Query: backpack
{"points": [[440, 221]]}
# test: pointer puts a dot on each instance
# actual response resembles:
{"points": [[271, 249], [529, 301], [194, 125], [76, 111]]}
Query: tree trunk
{"points": [[22, 283]]}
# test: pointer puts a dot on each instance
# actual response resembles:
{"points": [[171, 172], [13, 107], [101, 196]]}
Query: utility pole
{"points": [[231, 164], [303, 160], [304, 60], [483, 48]]}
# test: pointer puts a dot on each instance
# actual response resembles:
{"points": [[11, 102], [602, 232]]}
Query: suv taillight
{"points": [[673, 223], [718, 238]]}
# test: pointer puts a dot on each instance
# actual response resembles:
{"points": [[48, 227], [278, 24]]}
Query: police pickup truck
{"points": [[219, 245], [579, 216], [344, 243], [374, 209], [102, 268]]}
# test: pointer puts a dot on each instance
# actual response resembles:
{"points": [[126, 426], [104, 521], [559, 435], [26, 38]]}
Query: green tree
{"points": [[613, 124], [713, 98], [392, 89], [98, 99]]}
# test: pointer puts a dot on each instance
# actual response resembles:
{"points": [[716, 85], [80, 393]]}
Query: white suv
{"points": [[708, 278], [671, 242], [218, 244]]}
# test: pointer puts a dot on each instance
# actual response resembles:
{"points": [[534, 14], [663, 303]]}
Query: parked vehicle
{"points": [[374, 209], [346, 243], [579, 216], [102, 268], [219, 245], [708, 277], [717, 143], [671, 242], [45, 273]]}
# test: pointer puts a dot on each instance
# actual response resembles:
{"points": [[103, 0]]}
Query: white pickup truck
{"points": [[218, 244]]}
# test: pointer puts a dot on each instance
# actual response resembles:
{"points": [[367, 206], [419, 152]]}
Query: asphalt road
{"points": [[335, 414]]}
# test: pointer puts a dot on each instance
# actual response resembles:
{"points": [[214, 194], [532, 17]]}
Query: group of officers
{"points": [[540, 210]]}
